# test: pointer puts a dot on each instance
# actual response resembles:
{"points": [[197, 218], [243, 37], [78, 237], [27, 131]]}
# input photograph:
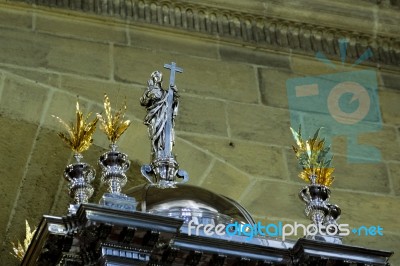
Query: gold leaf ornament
{"points": [[20, 249], [79, 134], [312, 155], [113, 125], [323, 175]]}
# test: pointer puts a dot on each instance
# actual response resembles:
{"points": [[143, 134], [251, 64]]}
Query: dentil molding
{"points": [[247, 28]]}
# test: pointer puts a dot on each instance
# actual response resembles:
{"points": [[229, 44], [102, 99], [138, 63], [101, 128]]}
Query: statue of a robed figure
{"points": [[162, 107]]}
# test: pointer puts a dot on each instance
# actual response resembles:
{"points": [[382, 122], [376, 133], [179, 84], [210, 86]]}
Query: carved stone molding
{"points": [[250, 29]]}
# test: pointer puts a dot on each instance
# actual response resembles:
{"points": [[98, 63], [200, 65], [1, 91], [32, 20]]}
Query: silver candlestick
{"points": [[80, 175], [316, 197], [79, 138], [323, 214], [312, 155], [114, 164], [162, 108]]}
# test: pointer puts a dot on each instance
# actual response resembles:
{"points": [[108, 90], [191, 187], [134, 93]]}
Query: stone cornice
{"points": [[246, 28]]}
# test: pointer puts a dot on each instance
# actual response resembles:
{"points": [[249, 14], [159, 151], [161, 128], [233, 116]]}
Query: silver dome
{"points": [[189, 203]]}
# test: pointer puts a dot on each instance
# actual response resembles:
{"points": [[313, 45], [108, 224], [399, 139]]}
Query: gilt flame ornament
{"points": [[114, 164], [79, 136], [113, 125], [312, 155], [20, 249], [79, 174]]}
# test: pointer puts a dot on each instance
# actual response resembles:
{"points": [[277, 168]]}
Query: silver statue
{"points": [[162, 108]]}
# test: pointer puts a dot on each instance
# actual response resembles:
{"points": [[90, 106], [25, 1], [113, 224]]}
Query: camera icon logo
{"points": [[344, 104]]}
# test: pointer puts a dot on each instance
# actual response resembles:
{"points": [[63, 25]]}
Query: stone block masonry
{"points": [[232, 128]]}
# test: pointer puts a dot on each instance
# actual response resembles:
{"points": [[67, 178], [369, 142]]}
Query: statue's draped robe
{"points": [[155, 100]]}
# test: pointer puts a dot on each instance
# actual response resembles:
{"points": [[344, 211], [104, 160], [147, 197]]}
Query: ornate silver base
{"points": [[119, 201], [79, 175], [114, 165], [322, 214], [164, 172]]}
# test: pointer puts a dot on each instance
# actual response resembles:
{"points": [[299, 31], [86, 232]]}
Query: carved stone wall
{"points": [[232, 129], [257, 29]]}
